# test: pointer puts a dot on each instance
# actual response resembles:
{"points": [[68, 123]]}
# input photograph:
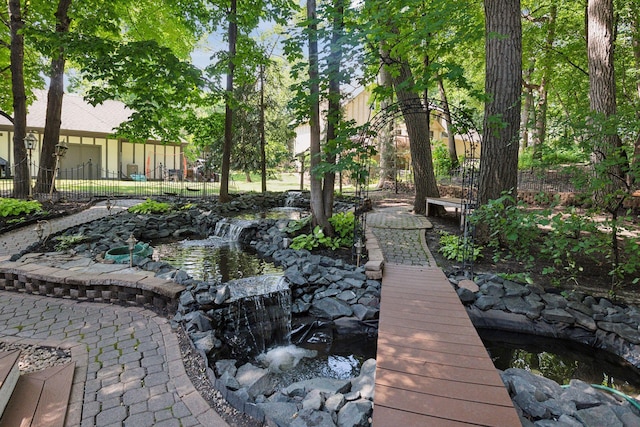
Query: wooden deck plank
{"points": [[384, 416], [480, 393], [439, 370], [432, 367], [40, 399], [466, 411], [52, 407]]}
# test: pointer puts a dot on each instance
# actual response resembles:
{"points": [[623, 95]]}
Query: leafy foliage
{"points": [[150, 206], [14, 207], [343, 224], [65, 242], [455, 248]]}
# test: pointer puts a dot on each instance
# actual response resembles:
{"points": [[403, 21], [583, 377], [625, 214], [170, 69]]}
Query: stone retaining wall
{"points": [[150, 292]]}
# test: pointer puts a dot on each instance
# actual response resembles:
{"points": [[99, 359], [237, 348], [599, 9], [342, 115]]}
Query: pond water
{"points": [[223, 259], [212, 259], [560, 360]]}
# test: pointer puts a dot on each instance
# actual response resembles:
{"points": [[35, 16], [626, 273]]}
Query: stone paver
{"points": [[400, 235], [129, 369]]}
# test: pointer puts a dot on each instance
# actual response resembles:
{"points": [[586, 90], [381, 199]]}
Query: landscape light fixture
{"points": [[61, 150], [30, 143], [358, 245], [131, 242]]}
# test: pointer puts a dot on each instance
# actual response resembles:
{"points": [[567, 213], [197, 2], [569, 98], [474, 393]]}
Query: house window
{"points": [[430, 134], [444, 135]]}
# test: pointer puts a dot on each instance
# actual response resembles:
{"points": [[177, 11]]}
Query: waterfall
{"points": [[231, 229], [260, 309]]}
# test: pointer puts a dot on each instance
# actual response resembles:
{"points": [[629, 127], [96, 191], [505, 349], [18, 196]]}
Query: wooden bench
{"points": [[452, 202]]}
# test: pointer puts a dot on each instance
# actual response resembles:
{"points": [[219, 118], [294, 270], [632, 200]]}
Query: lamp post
{"points": [[61, 150], [358, 245], [29, 143], [131, 242]]}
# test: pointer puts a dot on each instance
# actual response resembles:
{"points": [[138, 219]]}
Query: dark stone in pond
{"points": [[486, 302], [583, 320], [330, 308], [628, 333], [300, 307], [492, 289], [558, 315], [466, 296]]}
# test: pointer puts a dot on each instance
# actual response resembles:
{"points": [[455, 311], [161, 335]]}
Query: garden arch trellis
{"points": [[463, 127]]}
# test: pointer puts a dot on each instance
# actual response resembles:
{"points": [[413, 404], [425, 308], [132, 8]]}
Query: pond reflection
{"points": [[213, 259], [560, 360]]}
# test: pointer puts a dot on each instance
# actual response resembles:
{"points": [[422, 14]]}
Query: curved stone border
{"points": [[509, 306], [157, 294]]}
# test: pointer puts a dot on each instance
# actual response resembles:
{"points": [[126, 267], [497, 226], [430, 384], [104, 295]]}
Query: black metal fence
{"points": [[548, 181], [88, 181]]}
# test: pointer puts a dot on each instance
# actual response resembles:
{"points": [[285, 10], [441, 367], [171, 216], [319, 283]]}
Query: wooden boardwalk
{"points": [[432, 368]]}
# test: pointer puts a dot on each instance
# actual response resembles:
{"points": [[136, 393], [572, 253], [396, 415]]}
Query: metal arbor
{"points": [[465, 176]]}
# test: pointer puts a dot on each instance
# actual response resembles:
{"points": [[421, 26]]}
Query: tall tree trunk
{"points": [[635, 31], [263, 137], [526, 108], [334, 114], [451, 137], [608, 156], [543, 89], [416, 118], [503, 84], [386, 136], [317, 200], [21, 178], [228, 111], [53, 119]]}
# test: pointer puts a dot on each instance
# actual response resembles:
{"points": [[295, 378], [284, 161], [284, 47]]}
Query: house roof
{"points": [[77, 114]]}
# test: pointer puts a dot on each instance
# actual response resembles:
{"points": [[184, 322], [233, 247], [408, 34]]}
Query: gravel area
{"points": [[35, 358]]}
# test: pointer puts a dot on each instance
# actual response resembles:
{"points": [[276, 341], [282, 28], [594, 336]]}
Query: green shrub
{"points": [[65, 242], [150, 206], [14, 207], [456, 248], [343, 224]]}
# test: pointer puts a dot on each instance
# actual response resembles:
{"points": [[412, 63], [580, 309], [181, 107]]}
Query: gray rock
{"points": [[582, 308], [487, 302], [569, 421], [229, 381], [313, 400], [530, 405], [554, 301], [255, 380], [223, 293], [557, 315], [282, 413], [207, 343], [465, 295], [197, 321], [324, 385], [365, 382], [330, 308], [582, 319], [598, 416], [582, 394], [492, 289], [312, 418], [334, 402], [187, 299], [347, 295], [226, 365], [627, 332], [355, 414], [512, 289], [519, 305], [363, 312]]}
